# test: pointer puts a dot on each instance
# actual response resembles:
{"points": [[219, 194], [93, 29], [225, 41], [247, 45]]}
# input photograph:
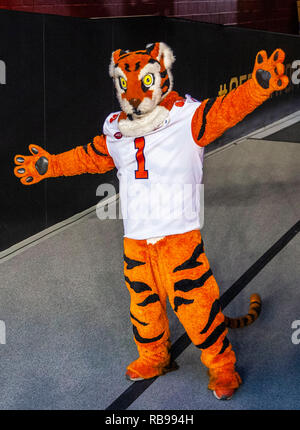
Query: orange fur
{"points": [[215, 116], [153, 275], [134, 91], [93, 159], [170, 99]]}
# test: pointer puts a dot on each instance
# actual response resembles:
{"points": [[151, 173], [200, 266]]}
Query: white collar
{"points": [[145, 124]]}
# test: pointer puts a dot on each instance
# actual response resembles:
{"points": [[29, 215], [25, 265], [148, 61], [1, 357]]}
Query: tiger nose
{"points": [[135, 102]]}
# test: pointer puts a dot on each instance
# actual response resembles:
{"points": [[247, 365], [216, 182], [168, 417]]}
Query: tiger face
{"points": [[142, 78]]}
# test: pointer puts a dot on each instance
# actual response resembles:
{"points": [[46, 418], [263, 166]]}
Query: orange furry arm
{"points": [[214, 116], [91, 158]]}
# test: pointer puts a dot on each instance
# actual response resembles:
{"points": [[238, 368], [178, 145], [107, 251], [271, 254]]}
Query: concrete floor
{"points": [[66, 307]]}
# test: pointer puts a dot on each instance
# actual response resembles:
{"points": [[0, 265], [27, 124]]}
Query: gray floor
{"points": [[66, 307]]}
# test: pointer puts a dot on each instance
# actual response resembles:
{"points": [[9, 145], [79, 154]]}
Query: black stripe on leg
{"points": [[178, 301], [141, 339], [213, 337], [207, 108], [215, 309], [140, 322], [192, 261], [153, 298], [138, 287], [225, 345], [131, 264], [186, 285]]}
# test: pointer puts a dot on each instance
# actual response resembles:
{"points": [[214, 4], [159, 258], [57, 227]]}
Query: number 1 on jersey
{"points": [[139, 144]]}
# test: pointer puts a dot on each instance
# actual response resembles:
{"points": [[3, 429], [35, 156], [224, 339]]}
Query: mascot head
{"points": [[142, 78]]}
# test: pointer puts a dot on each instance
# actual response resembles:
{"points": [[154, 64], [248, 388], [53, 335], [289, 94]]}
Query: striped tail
{"points": [[252, 315]]}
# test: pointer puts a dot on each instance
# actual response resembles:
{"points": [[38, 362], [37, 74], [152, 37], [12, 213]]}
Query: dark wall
{"points": [[21, 123], [58, 93], [78, 97]]}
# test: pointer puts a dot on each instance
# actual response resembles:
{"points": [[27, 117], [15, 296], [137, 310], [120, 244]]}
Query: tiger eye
{"points": [[123, 83], [148, 80]]}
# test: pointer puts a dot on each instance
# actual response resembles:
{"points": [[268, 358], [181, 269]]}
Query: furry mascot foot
{"points": [[223, 394], [224, 382], [139, 371]]}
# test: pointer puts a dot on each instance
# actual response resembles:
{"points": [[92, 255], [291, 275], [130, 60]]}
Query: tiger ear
{"points": [[114, 59], [161, 51]]}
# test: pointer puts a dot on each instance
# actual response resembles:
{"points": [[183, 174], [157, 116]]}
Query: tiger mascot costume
{"points": [[159, 137]]}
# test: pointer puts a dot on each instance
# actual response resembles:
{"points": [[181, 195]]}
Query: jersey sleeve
{"points": [[90, 158]]}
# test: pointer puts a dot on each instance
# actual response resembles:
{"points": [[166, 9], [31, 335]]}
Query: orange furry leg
{"points": [[194, 295], [147, 312]]}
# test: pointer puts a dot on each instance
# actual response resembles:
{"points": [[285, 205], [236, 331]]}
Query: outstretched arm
{"points": [[91, 158], [214, 116]]}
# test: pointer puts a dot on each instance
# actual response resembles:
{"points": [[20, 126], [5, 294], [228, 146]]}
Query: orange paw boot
{"points": [[154, 360], [224, 382], [139, 369]]}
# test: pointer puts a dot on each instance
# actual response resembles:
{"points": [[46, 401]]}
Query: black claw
{"points": [[20, 160], [259, 59], [279, 83], [21, 171], [29, 179], [42, 165], [34, 150], [276, 56]]}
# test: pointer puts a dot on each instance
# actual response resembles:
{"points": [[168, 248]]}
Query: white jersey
{"points": [[160, 175]]}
